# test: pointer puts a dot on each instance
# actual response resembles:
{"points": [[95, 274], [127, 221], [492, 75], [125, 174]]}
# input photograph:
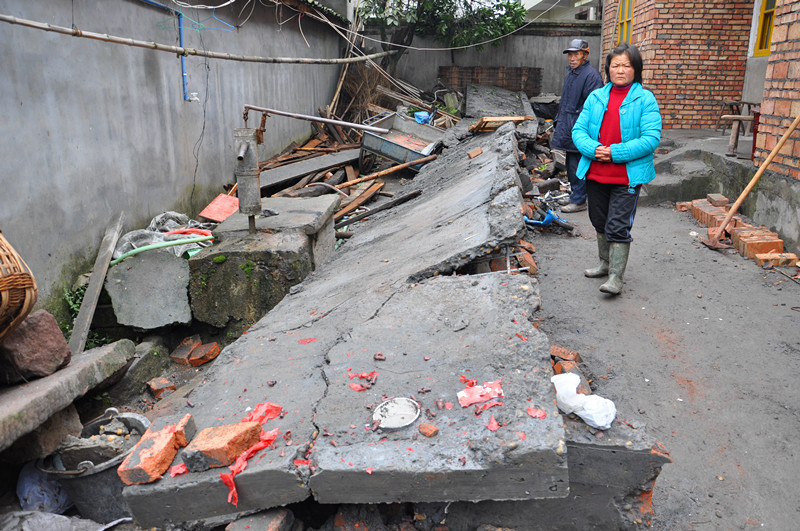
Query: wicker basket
{"points": [[18, 291]]}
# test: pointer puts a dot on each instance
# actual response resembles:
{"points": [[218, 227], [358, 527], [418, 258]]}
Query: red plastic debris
{"points": [[365, 375], [480, 393], [524, 338], [357, 387], [493, 425], [521, 435], [178, 470], [536, 413], [306, 340], [370, 470], [301, 462]]}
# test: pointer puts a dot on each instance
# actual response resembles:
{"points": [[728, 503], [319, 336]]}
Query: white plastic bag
{"points": [[596, 411]]}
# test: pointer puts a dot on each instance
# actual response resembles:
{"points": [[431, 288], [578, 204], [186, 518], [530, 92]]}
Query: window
{"points": [[625, 17], [766, 20]]}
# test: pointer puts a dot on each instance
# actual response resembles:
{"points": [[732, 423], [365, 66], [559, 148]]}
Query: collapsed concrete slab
{"points": [[468, 208]]}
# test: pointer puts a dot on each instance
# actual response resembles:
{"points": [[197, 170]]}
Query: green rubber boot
{"points": [[617, 261], [602, 252]]}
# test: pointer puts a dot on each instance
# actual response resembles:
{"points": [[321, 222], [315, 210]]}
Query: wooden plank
{"points": [[490, 123], [291, 173], [80, 330], [362, 198], [384, 206], [393, 169]]}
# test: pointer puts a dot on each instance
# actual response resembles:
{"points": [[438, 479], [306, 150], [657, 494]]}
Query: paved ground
{"points": [[703, 347]]}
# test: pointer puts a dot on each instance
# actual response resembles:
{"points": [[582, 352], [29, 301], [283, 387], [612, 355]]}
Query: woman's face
{"points": [[621, 70]]}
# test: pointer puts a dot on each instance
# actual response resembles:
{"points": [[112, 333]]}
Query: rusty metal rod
{"points": [[315, 119], [387, 171], [183, 51]]}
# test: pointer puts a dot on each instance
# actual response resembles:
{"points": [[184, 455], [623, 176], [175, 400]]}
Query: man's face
{"points": [[576, 59]]}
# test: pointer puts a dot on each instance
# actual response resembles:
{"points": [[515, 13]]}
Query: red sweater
{"points": [[610, 172]]}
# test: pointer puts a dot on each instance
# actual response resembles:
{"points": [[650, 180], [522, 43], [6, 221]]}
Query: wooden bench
{"points": [[738, 120]]}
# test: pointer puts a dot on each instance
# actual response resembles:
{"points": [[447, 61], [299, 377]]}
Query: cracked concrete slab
{"points": [[468, 208]]}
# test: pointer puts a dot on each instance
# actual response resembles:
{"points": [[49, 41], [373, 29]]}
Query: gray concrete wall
{"points": [[539, 46], [91, 129]]}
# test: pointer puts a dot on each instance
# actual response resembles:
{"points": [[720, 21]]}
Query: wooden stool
{"points": [[729, 107], [738, 122]]}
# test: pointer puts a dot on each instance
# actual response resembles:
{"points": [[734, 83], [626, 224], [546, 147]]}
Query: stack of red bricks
{"points": [[754, 242]]}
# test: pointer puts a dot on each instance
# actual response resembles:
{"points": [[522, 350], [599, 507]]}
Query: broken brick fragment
{"points": [[220, 445], [160, 386], [564, 354], [563, 366], [428, 430], [683, 206], [184, 349], [474, 153], [525, 259], [527, 246], [154, 452], [203, 354]]}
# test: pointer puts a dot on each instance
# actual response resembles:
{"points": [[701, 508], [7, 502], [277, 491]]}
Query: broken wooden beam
{"points": [[363, 197], [384, 206], [291, 173], [490, 123], [388, 171]]}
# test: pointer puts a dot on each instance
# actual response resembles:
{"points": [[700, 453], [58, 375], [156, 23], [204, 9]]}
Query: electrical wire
{"points": [[188, 5]]}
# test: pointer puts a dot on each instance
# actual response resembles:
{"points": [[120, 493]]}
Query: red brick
{"points": [[777, 259], [498, 264], [428, 430], [203, 354], [154, 452], [271, 520], [160, 385], [683, 206], [759, 245], [563, 366], [220, 445], [737, 233], [474, 153], [526, 260], [527, 246], [564, 354], [184, 349]]}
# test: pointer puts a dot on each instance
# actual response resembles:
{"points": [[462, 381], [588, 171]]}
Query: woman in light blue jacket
{"points": [[617, 133]]}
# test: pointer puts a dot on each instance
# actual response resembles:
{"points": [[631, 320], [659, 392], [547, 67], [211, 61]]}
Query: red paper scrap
{"points": [[240, 464], [370, 470], [357, 387], [448, 405], [493, 425], [521, 435], [263, 412], [471, 382], [524, 338], [480, 393], [364, 375], [233, 496], [178, 470], [306, 340], [536, 413], [491, 404], [301, 462]]}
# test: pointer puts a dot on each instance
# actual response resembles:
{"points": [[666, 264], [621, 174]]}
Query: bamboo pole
{"points": [[387, 171], [183, 51]]}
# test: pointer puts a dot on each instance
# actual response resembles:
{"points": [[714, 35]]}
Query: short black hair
{"points": [[633, 54]]}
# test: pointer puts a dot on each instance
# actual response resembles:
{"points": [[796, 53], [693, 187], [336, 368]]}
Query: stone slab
{"points": [[25, 407], [467, 209], [308, 214], [150, 290], [463, 326], [291, 172]]}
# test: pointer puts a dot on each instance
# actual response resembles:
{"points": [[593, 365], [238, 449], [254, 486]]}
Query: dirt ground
{"points": [[703, 348]]}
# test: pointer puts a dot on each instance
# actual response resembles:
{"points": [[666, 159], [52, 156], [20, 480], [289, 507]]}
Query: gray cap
{"points": [[577, 45]]}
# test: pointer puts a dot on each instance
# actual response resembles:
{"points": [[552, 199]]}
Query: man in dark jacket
{"points": [[582, 78]]}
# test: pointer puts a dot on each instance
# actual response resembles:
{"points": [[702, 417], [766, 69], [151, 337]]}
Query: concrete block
{"points": [[149, 290], [160, 386], [36, 348], [184, 349], [45, 439], [717, 200], [777, 259], [272, 520], [203, 354], [220, 445], [150, 359]]}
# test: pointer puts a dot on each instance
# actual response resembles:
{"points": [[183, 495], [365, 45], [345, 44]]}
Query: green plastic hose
{"points": [[159, 245]]}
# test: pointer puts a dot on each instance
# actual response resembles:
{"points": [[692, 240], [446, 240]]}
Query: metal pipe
{"points": [[369, 128], [184, 75], [180, 50], [243, 147]]}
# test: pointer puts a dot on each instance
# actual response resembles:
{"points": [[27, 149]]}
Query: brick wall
{"points": [[781, 100], [694, 53]]}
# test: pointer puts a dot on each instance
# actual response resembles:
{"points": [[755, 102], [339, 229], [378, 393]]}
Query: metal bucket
{"points": [[96, 490]]}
